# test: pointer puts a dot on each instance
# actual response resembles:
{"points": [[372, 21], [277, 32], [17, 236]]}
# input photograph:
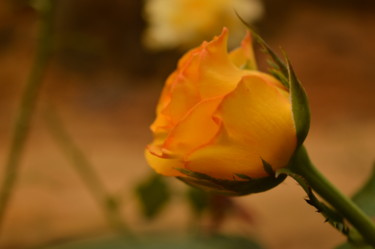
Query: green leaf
{"points": [[198, 199], [169, 241], [300, 106], [153, 195], [365, 197], [351, 246]]}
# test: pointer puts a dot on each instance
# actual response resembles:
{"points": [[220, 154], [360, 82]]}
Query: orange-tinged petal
{"points": [[196, 129], [217, 74], [165, 98], [180, 92], [164, 166], [188, 55], [203, 72], [184, 96], [243, 56], [178, 96]]}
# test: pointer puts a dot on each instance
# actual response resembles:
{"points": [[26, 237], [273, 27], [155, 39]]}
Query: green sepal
{"points": [[285, 74], [268, 168], [298, 98], [300, 106], [275, 59], [235, 187], [243, 176], [279, 76]]}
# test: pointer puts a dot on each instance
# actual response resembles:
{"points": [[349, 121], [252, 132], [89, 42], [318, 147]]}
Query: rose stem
{"points": [[27, 105], [109, 204], [334, 197]]}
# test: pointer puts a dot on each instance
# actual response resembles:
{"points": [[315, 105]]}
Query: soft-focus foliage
{"points": [[185, 23], [153, 194], [166, 242]]}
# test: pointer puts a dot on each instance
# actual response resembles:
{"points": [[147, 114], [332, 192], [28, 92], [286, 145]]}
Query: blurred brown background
{"points": [[104, 85]]}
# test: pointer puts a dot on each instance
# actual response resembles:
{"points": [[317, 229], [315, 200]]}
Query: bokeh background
{"points": [[104, 84]]}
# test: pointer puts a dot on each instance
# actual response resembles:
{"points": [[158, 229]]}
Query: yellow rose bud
{"points": [[221, 118]]}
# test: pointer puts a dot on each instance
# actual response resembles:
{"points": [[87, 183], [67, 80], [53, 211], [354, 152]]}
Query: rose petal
{"points": [[223, 159], [204, 72], [257, 124], [259, 114], [195, 129], [179, 94], [243, 56], [218, 75]]}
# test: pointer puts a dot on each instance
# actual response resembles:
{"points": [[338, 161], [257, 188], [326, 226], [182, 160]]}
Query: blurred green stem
{"points": [[27, 105], [109, 204], [346, 207]]}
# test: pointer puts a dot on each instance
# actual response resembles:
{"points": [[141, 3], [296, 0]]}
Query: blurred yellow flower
{"points": [[185, 23], [218, 115]]}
